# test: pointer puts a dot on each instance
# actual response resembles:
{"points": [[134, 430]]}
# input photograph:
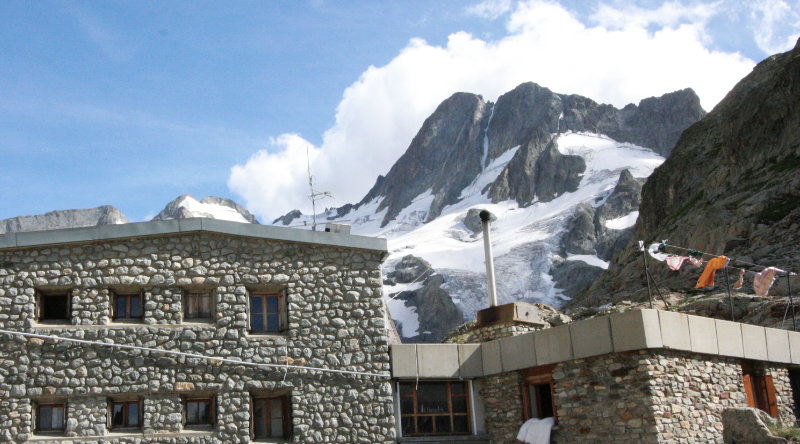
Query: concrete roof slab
{"points": [[729, 338], [703, 334], [517, 352], [471, 360], [794, 346], [778, 345], [553, 345], [437, 360], [8, 240], [675, 330], [591, 337], [636, 330], [754, 342], [404, 360], [490, 355]]}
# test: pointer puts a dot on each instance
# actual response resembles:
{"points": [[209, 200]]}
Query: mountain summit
{"points": [[186, 206]]}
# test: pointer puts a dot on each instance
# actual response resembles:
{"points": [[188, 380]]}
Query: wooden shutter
{"points": [[748, 390], [252, 417], [772, 401], [526, 402], [553, 401], [287, 418], [283, 315]]}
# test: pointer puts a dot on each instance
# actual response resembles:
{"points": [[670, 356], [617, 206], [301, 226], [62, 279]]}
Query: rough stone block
{"points": [[404, 360], [591, 337], [636, 330], [471, 361], [552, 345], [703, 333], [490, 352], [754, 342], [729, 338], [437, 360], [675, 330], [778, 345], [517, 352]]}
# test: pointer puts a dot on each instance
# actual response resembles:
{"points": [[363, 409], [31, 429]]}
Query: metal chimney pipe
{"points": [[487, 249]]}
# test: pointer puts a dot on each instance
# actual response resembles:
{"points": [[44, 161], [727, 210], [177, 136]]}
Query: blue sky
{"points": [[133, 103]]}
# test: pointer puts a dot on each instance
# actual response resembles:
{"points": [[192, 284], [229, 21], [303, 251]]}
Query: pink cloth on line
{"points": [[763, 281], [675, 262]]}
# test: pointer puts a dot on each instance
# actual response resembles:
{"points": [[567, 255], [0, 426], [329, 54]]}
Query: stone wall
{"points": [[502, 396], [470, 333], [335, 319]]}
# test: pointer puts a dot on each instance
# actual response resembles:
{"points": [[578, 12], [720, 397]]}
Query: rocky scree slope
{"points": [[538, 160], [731, 186]]}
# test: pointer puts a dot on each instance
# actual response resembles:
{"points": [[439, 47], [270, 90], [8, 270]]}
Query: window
{"points": [[54, 306], [126, 414], [127, 306], [51, 418], [267, 312], [434, 408], [271, 418], [759, 389], [198, 412], [537, 393], [197, 305]]}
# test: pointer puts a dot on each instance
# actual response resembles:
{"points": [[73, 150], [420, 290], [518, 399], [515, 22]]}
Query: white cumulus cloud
{"points": [[622, 56]]}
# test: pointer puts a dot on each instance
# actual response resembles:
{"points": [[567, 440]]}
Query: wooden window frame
{"points": [[285, 416], [43, 295], [126, 315], [125, 414], [51, 405], [212, 408], [538, 376], [759, 389], [282, 312], [450, 395], [198, 316]]}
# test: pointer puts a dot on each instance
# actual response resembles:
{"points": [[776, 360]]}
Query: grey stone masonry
{"points": [[334, 319]]}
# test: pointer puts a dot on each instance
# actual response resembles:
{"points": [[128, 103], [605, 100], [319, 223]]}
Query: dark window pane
{"points": [[54, 307], [259, 419], [425, 424], [272, 322], [255, 304], [272, 304], [406, 388], [408, 425], [204, 305], [120, 309], [204, 412], [136, 309], [459, 404], [117, 415], [432, 398], [457, 388], [58, 418], [277, 428], [45, 417], [460, 424], [257, 322], [191, 413], [191, 306], [133, 414], [407, 405], [443, 424]]}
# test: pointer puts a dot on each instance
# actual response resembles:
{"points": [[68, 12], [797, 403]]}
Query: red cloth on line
{"points": [[707, 278]]}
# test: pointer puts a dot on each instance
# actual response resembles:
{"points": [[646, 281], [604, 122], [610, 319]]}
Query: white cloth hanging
{"points": [[536, 431]]}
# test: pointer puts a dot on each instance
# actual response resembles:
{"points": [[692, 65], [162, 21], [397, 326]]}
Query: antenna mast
{"points": [[314, 195]]}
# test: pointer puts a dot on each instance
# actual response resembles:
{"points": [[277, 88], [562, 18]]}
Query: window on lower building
{"points": [[434, 408], [51, 417], [268, 312], [127, 307], [271, 417], [197, 305], [54, 306], [198, 411], [126, 414], [760, 389], [537, 393]]}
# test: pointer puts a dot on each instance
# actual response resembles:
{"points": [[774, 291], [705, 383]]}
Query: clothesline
{"points": [[731, 259]]}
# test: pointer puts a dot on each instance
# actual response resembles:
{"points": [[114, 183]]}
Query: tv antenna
{"points": [[315, 195]]}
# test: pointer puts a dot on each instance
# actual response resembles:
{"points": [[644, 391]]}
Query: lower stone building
{"points": [[181, 331], [637, 377]]}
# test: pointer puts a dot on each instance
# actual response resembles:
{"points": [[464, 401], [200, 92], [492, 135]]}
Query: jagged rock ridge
{"points": [[186, 206], [103, 215]]}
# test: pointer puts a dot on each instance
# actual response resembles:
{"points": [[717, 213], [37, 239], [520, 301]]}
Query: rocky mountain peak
{"points": [[103, 215], [187, 206]]}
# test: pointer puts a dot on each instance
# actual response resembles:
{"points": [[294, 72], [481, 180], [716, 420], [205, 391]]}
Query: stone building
{"points": [[260, 297], [644, 376]]}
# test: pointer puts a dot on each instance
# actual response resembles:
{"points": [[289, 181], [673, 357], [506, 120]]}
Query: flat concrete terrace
{"points": [[621, 332], [181, 226]]}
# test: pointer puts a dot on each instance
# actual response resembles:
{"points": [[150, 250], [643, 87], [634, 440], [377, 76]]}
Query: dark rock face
{"points": [[473, 220], [174, 210], [105, 215], [731, 185], [448, 152], [436, 312], [287, 218]]}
